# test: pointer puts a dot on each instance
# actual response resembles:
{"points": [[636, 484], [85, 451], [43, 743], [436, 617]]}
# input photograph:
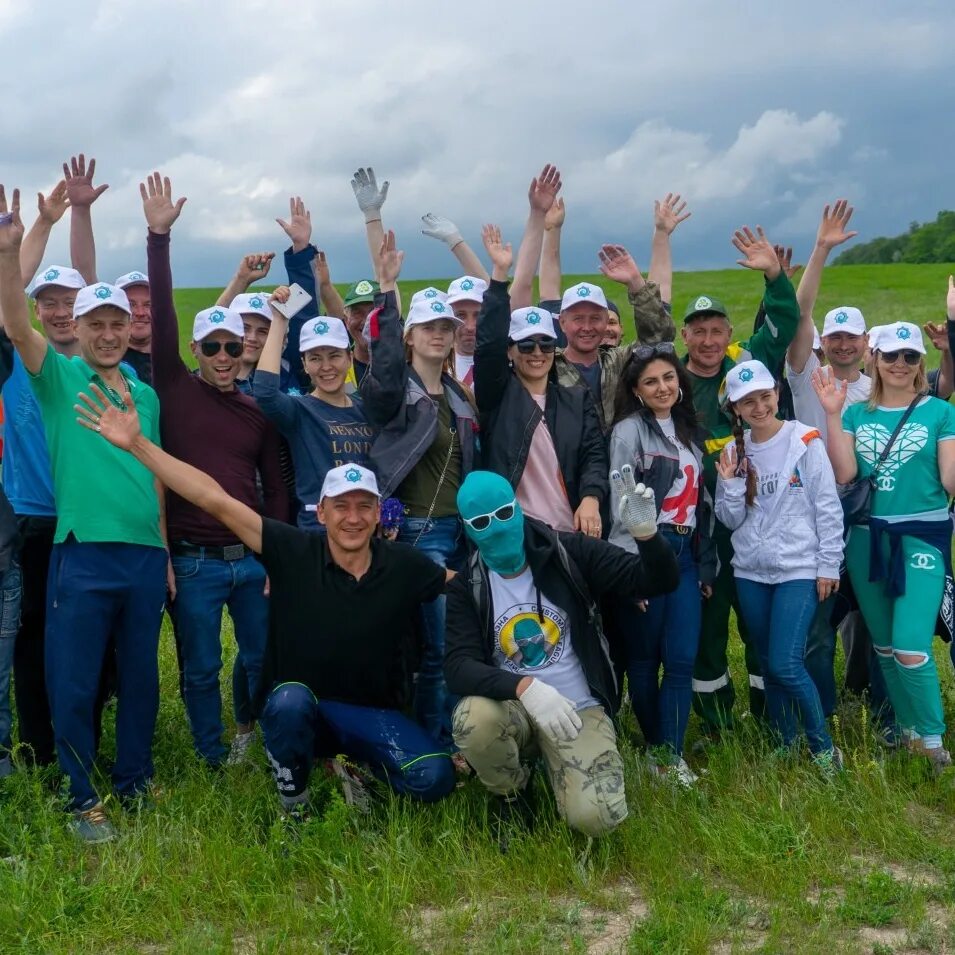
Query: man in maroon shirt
{"points": [[208, 422]]}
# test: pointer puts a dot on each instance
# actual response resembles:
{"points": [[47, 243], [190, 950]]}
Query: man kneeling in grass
{"points": [[525, 651], [343, 637]]}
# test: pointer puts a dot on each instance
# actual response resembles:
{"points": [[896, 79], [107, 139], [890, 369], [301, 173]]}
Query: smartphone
{"points": [[297, 301]]}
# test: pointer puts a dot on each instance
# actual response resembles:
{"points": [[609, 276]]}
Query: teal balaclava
{"points": [[501, 544]]}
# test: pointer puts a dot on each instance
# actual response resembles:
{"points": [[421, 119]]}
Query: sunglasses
{"points": [[908, 356], [547, 345], [232, 349], [483, 521], [642, 352]]}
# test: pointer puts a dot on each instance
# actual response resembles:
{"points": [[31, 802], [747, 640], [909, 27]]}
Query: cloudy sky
{"points": [[756, 112]]}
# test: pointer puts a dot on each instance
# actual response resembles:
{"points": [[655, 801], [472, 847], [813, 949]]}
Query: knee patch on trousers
{"points": [[598, 802]]}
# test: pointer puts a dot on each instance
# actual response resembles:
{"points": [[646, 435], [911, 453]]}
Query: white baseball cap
{"points": [[215, 319], [432, 311], [102, 293], [468, 288], [252, 303], [584, 292], [896, 337], [429, 294], [526, 322], [325, 331], [132, 278], [746, 377], [846, 319], [816, 340], [348, 477], [57, 275]]}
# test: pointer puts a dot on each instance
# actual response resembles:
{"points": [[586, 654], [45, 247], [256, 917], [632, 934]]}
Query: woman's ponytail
{"points": [[742, 460]]}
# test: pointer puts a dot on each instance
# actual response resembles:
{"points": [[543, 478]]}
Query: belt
{"points": [[232, 552], [681, 529]]}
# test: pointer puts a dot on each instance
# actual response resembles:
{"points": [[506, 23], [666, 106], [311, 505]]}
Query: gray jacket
{"points": [[640, 442]]}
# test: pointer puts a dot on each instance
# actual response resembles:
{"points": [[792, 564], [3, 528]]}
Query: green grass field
{"points": [[763, 856]]}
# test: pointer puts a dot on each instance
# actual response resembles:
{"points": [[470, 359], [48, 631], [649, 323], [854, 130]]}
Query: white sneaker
{"points": [[679, 773], [239, 751]]}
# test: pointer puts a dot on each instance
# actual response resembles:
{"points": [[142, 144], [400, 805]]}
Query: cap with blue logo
{"points": [[217, 319], [132, 278], [252, 303], [899, 336], [468, 288], [325, 331], [845, 318], [429, 294], [746, 377], [348, 477], [429, 311], [583, 292], [57, 275], [95, 296], [528, 322]]}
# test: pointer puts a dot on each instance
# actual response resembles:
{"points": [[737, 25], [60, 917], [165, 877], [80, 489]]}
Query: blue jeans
{"points": [[443, 541], [203, 588], [821, 654], [667, 634], [95, 591], [10, 592], [778, 617], [298, 727]]}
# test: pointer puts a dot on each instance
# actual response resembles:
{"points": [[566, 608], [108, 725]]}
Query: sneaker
{"points": [[829, 762], [938, 756], [6, 767], [296, 814], [678, 773], [92, 825], [354, 788], [239, 751]]}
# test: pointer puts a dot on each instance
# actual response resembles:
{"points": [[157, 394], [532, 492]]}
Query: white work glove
{"points": [[444, 230], [637, 509], [369, 197], [553, 714]]}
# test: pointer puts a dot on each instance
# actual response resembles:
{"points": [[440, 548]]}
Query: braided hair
{"points": [[742, 461]]}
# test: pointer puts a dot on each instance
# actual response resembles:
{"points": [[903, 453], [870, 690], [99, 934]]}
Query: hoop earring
{"points": [[679, 395], [642, 403]]}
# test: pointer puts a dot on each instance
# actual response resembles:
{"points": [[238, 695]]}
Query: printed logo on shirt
{"points": [[527, 641], [871, 439], [767, 484], [678, 508], [103, 292], [795, 481]]}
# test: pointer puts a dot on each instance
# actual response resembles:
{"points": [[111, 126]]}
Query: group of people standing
{"points": [[446, 530]]}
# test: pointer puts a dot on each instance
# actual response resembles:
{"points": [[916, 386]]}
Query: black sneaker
{"points": [[513, 815]]}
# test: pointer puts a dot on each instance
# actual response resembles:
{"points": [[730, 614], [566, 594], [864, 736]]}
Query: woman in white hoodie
{"points": [[777, 494]]}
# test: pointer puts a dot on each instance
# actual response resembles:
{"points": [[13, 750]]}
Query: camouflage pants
{"points": [[499, 741]]}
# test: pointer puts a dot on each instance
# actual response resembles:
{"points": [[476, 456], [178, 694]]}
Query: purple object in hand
{"points": [[392, 512]]}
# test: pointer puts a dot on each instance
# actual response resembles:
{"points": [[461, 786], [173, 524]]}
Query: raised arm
{"points": [[541, 196], [653, 323], [121, 428], [444, 230], [331, 298], [550, 274], [29, 343], [50, 211], [276, 406], [370, 199], [668, 213], [252, 268], [831, 233], [82, 194], [491, 368]]}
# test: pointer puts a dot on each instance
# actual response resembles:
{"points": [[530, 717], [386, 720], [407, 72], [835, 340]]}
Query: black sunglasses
{"points": [[232, 349], [642, 352], [908, 356], [547, 346]]}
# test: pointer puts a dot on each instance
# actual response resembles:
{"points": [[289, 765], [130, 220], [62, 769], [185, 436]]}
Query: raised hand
{"points": [[937, 334], [544, 188], [830, 390], [554, 218], [52, 207], [369, 197], [832, 227], [757, 251], [120, 426], [11, 227], [254, 267], [784, 256], [726, 463], [390, 259], [637, 509], [280, 295], [668, 213], [500, 253], [299, 225], [617, 264], [320, 267], [160, 211], [444, 230], [950, 299], [79, 181]]}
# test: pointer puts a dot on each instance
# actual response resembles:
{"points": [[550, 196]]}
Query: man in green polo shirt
{"points": [[108, 566], [359, 301]]}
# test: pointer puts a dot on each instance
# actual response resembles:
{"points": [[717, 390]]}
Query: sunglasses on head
{"points": [[232, 349], [546, 345], [908, 356], [483, 521], [642, 352]]}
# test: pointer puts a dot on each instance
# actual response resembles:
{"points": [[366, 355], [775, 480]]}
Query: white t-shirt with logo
{"points": [[463, 365], [769, 459], [806, 401], [528, 645], [679, 506]]}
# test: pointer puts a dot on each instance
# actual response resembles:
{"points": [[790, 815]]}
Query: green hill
{"points": [[924, 243]]}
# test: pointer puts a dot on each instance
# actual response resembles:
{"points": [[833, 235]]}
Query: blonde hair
{"points": [[878, 388]]}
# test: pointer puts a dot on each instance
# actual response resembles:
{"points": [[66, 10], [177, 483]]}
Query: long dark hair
{"points": [[626, 403], [742, 460]]}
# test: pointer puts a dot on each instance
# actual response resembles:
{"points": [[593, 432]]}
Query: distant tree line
{"points": [[924, 242]]}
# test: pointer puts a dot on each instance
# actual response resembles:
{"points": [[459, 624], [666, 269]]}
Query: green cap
{"points": [[363, 291], [703, 305]]}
